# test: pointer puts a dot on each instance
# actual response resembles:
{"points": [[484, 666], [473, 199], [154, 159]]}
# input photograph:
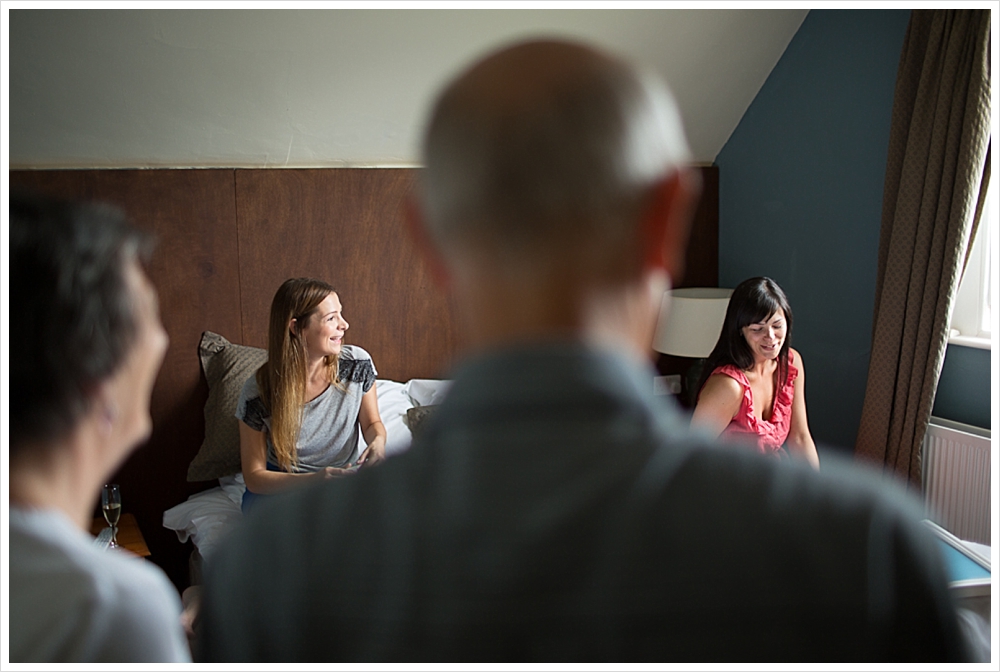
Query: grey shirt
{"points": [[554, 510], [328, 436]]}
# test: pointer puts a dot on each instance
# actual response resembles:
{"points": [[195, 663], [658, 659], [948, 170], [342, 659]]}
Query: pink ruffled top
{"points": [[768, 435]]}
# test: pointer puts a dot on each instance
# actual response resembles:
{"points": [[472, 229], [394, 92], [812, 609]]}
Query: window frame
{"points": [[972, 311]]}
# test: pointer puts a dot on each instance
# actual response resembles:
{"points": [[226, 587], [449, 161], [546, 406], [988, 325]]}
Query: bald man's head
{"points": [[546, 147]]}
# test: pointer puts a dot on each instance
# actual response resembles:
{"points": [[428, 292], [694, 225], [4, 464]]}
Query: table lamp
{"points": [[689, 325]]}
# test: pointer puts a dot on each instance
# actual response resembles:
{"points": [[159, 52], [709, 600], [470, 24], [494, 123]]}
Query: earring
{"points": [[109, 415]]}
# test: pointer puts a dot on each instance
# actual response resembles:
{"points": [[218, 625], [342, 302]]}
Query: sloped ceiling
{"points": [[331, 87]]}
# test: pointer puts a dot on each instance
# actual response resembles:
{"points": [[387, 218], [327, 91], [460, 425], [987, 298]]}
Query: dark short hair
{"points": [[72, 321], [754, 300]]}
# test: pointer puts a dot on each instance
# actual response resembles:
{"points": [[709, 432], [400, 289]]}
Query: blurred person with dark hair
{"points": [[553, 508], [86, 345]]}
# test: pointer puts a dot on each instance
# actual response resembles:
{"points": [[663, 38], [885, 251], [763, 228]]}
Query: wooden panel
{"points": [[227, 239], [702, 258], [194, 267], [344, 226]]}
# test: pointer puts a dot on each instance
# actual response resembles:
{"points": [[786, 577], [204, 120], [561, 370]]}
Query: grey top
{"points": [[328, 436], [554, 509], [73, 602]]}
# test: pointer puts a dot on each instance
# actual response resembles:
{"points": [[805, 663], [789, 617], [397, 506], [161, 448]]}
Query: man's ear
{"points": [[667, 222], [416, 228]]}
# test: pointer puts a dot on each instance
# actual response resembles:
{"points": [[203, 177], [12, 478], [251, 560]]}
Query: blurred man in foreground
{"points": [[553, 509]]}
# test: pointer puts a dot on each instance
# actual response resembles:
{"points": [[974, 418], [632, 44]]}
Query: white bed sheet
{"points": [[204, 518]]}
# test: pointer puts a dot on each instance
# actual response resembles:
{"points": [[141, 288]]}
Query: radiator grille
{"points": [[956, 470]]}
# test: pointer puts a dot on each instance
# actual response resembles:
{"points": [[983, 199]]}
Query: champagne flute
{"points": [[111, 504]]}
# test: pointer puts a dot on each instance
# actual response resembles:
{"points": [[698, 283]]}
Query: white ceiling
{"points": [[330, 87]]}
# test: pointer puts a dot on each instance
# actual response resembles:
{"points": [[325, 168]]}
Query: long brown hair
{"points": [[282, 379]]}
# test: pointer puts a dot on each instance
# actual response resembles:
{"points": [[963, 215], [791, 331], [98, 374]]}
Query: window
{"points": [[972, 314]]}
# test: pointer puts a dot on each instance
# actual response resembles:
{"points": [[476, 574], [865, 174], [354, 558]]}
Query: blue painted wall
{"points": [[963, 392], [800, 198]]}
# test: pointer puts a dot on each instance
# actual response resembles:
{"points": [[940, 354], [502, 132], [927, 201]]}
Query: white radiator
{"points": [[956, 475]]}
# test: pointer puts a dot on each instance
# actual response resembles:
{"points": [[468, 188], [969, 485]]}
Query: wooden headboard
{"points": [[228, 238]]}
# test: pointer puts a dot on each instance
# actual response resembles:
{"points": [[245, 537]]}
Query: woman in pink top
{"points": [[753, 389]]}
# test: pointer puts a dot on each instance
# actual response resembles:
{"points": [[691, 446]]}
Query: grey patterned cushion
{"points": [[417, 416], [227, 366]]}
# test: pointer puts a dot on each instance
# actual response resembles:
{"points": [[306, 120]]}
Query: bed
{"points": [[205, 517]]}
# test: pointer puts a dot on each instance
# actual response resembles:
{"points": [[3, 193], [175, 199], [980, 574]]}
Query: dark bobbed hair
{"points": [[754, 300], [71, 310]]}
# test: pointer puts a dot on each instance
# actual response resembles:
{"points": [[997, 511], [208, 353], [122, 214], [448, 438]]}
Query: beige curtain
{"points": [[935, 184]]}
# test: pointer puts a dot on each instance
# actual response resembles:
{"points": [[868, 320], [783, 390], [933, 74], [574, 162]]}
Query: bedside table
{"points": [[129, 535]]}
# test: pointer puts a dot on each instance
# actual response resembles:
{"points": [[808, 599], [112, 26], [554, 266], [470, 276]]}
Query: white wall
{"points": [[331, 87]]}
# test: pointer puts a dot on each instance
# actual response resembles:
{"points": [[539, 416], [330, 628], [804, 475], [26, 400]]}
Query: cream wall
{"points": [[333, 87]]}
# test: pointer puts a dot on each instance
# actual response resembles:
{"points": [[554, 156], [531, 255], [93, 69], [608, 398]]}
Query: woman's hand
{"points": [[326, 473], [253, 454], [374, 453]]}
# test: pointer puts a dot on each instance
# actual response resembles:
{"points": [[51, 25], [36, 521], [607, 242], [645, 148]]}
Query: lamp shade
{"points": [[690, 321]]}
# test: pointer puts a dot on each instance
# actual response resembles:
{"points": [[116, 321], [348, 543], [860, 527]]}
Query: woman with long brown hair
{"points": [[301, 414]]}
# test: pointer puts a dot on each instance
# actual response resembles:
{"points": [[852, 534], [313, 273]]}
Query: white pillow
{"points": [[234, 486], [427, 392], [393, 402]]}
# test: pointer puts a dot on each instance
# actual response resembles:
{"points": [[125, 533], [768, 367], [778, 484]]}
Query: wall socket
{"points": [[667, 384]]}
